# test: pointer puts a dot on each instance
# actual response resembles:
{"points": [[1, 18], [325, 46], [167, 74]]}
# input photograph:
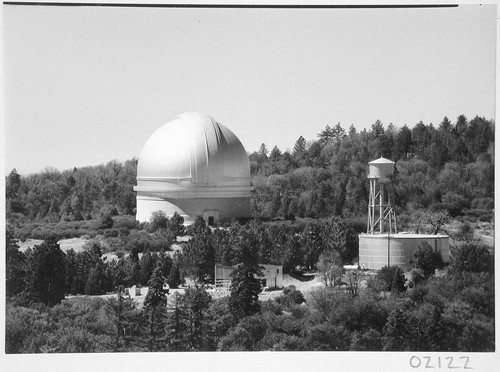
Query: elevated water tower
{"points": [[382, 245], [381, 216]]}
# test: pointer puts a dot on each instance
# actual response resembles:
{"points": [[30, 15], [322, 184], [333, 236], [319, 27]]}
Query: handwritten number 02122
{"points": [[440, 363]]}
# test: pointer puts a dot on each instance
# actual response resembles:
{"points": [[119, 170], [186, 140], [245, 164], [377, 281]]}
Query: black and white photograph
{"points": [[191, 184]]}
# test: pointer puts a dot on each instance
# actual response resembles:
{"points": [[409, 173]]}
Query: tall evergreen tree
{"points": [[199, 256], [15, 266], [176, 225], [155, 306], [195, 302], [176, 328], [245, 283], [404, 143], [174, 277], [95, 281], [124, 317], [46, 273], [326, 135], [275, 153], [300, 146]]}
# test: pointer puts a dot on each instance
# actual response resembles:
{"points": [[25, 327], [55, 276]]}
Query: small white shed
{"points": [[272, 275], [134, 291]]}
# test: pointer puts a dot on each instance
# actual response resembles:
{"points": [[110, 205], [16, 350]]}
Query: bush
{"points": [[454, 203], [106, 221], [291, 297], [416, 276], [272, 307], [357, 224], [111, 233], [126, 222], [390, 279], [246, 336], [158, 220], [471, 257], [427, 259], [483, 205], [328, 337], [370, 340]]}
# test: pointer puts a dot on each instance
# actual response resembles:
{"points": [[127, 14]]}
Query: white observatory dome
{"points": [[193, 166]]}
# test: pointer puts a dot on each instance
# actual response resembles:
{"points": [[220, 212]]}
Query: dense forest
{"points": [[308, 206], [445, 168], [430, 308], [448, 168]]}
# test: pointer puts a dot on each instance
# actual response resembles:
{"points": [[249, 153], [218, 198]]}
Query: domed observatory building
{"points": [[196, 167]]}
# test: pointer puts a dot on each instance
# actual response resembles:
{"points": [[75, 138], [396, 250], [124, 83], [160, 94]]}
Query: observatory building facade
{"points": [[196, 167], [382, 244]]}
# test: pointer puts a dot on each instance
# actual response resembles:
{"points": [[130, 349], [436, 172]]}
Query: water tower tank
{"points": [[381, 168]]}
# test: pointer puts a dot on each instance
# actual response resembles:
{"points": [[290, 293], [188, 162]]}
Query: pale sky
{"points": [[86, 85]]}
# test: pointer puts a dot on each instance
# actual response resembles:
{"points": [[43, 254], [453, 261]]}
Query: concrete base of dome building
{"points": [[212, 210]]}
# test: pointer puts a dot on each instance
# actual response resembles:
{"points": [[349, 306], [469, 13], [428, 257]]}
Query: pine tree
{"points": [[94, 283], [46, 273], [174, 277], [245, 283], [377, 129], [176, 327], [155, 306], [147, 265], [196, 302], [199, 256], [275, 153], [263, 151], [12, 184], [300, 146], [326, 135], [123, 313], [15, 266], [176, 225]]}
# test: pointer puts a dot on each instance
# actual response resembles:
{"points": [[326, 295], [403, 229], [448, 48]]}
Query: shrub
{"points": [[126, 222], [291, 296], [416, 277], [370, 340], [158, 220], [454, 203], [465, 232], [471, 257], [328, 337], [105, 222], [246, 335], [358, 224], [111, 233], [427, 259], [272, 307], [390, 279]]}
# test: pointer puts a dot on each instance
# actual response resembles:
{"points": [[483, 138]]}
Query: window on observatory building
{"points": [[210, 220]]}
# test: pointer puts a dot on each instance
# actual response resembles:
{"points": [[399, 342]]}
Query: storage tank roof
{"points": [[381, 160], [194, 147]]}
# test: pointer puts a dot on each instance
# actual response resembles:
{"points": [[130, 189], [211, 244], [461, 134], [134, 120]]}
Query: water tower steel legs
{"points": [[377, 204], [381, 206]]}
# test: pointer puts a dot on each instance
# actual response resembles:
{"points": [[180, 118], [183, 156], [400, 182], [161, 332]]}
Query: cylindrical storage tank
{"points": [[381, 168], [373, 248]]}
